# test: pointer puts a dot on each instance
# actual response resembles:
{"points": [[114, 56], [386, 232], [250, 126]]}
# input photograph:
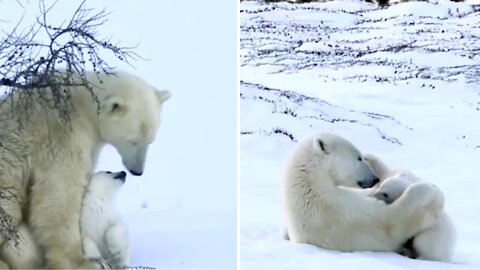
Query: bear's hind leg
{"points": [[56, 199], [22, 252]]}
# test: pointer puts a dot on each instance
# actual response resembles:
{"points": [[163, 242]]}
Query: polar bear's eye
{"points": [[359, 158], [385, 195], [133, 142]]}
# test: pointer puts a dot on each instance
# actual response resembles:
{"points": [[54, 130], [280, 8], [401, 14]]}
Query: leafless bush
{"points": [[28, 63]]}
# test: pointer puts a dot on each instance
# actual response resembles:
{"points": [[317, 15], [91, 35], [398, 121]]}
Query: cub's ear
{"points": [[322, 146], [114, 105], [163, 95]]}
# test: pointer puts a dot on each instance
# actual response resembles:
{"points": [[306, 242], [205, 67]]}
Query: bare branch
{"points": [[75, 46]]}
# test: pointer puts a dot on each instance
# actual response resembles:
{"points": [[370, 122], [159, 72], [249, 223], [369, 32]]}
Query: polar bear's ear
{"points": [[322, 146], [114, 105], [163, 95]]}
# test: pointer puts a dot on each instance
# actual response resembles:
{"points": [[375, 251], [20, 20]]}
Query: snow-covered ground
{"points": [[182, 212], [401, 82]]}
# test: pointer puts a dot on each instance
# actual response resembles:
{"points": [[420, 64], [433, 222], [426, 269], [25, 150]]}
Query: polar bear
{"points": [[104, 234], [53, 162], [318, 212], [435, 243]]}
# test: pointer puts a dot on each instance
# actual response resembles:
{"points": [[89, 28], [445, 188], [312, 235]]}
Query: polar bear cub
{"points": [[434, 243], [104, 234], [393, 187]]}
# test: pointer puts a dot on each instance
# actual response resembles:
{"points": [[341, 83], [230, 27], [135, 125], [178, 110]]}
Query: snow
{"points": [[181, 213], [400, 82], [444, 10]]}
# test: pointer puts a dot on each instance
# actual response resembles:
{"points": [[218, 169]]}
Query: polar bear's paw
{"points": [[427, 195], [102, 263], [426, 200], [408, 249]]}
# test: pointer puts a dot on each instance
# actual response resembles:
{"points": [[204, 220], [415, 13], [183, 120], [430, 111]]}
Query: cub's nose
{"points": [[120, 176]]}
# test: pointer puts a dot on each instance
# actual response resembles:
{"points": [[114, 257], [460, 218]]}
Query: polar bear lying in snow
{"points": [[321, 213]]}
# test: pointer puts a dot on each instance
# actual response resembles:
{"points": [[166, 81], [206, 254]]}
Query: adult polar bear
{"points": [[48, 165], [321, 213]]}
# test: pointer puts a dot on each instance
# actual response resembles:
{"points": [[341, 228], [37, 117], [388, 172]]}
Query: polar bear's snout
{"points": [[122, 176], [133, 157], [135, 166], [368, 183], [136, 172], [366, 177]]}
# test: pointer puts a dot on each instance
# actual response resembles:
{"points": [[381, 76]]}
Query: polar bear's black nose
{"points": [[120, 176], [366, 183], [375, 181], [362, 184], [136, 173]]}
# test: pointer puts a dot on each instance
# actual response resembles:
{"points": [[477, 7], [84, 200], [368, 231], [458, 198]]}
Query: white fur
{"points": [[436, 242], [321, 213], [104, 234], [21, 252]]}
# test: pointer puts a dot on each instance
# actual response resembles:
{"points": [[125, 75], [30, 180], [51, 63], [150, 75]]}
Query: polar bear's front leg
{"points": [[56, 200], [117, 243], [91, 252], [419, 207]]}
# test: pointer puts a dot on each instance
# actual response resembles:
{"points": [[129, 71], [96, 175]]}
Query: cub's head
{"points": [[393, 187], [129, 117], [106, 183], [343, 161]]}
